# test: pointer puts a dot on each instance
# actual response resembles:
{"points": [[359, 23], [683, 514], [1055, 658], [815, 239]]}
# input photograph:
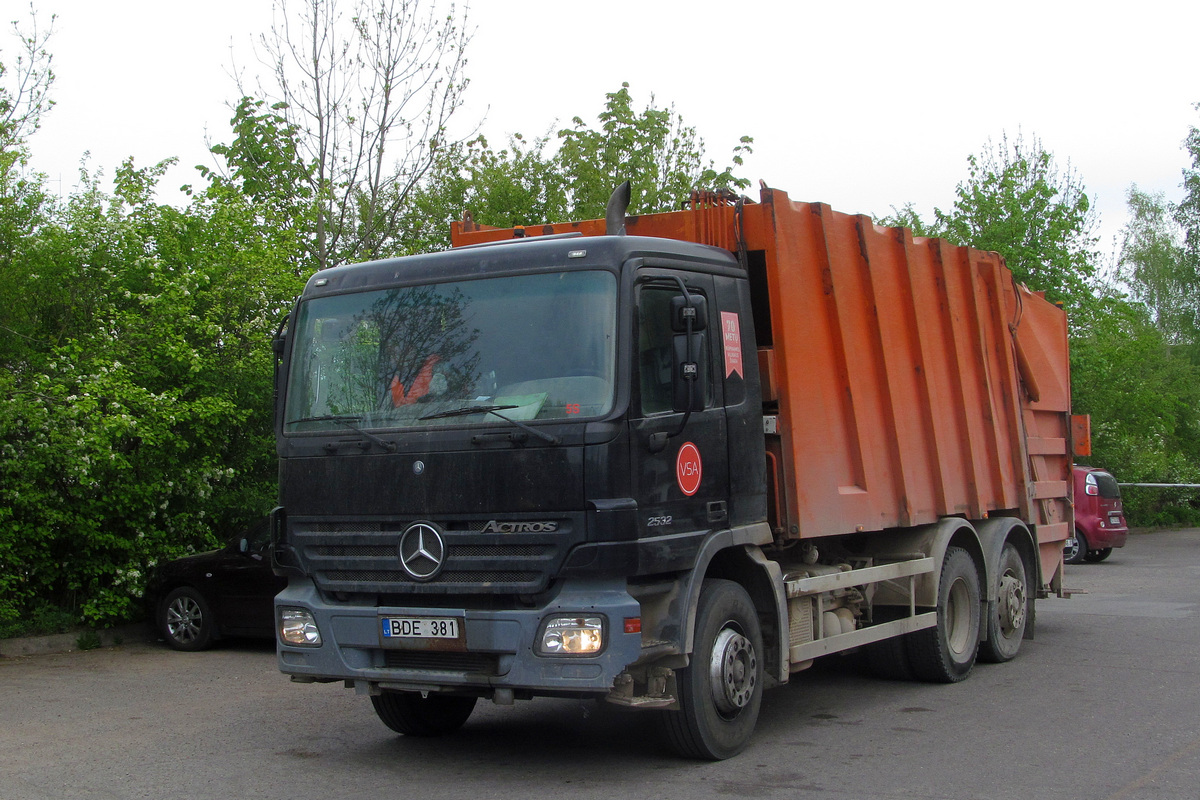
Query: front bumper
{"points": [[500, 644]]}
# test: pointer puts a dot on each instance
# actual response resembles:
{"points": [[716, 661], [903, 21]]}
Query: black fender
{"points": [[735, 554]]}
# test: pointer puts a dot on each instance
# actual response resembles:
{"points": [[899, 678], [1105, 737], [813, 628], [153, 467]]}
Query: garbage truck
{"points": [[665, 461]]}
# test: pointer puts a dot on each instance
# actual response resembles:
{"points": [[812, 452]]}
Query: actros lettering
{"points": [[519, 527]]}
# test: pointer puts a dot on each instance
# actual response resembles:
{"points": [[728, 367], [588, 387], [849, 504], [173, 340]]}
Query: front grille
{"points": [[472, 663], [502, 551], [349, 527], [398, 576], [361, 551], [468, 551], [356, 556]]}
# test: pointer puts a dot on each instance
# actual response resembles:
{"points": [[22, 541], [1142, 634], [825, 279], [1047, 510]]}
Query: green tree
{"points": [[1155, 263], [1160, 255], [24, 99], [134, 346], [1017, 202], [662, 158], [517, 185], [1154, 393], [265, 176], [524, 183], [139, 421], [1187, 213], [1142, 394], [907, 216]]}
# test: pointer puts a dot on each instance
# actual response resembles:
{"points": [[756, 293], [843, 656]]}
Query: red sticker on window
{"points": [[688, 469], [731, 334]]}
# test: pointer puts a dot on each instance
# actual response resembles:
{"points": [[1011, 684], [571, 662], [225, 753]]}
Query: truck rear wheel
{"points": [[1009, 612], [413, 715], [946, 652], [720, 692]]}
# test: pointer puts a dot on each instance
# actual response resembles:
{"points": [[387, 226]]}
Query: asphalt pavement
{"points": [[1103, 705]]}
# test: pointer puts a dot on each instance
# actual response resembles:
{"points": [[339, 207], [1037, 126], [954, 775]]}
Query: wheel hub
{"points": [[734, 671], [1012, 602], [183, 620]]}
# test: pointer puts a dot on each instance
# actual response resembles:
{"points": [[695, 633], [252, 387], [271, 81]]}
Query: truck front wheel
{"points": [[413, 715], [946, 653], [720, 692]]}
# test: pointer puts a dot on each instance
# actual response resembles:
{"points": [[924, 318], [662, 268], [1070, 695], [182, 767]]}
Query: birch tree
{"points": [[369, 88]]}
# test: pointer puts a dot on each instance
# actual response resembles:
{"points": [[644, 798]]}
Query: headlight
{"points": [[572, 636], [297, 626]]}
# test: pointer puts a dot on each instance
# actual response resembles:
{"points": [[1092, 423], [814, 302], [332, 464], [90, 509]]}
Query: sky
{"points": [[865, 106]]}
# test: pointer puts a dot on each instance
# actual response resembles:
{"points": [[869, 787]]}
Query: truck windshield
{"points": [[539, 346]]}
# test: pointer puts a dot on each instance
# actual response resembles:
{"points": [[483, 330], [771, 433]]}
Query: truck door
{"points": [[680, 464]]}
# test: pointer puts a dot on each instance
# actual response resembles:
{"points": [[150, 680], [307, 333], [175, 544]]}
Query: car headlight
{"points": [[572, 636], [297, 626]]}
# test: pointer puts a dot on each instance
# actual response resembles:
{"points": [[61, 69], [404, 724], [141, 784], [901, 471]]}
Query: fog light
{"points": [[572, 636], [297, 626]]}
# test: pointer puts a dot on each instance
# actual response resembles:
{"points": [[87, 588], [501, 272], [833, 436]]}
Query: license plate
{"points": [[421, 632]]}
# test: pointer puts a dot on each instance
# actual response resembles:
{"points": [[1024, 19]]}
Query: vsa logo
{"points": [[520, 527]]}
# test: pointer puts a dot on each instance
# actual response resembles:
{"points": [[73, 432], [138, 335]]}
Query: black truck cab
{"points": [[502, 465]]}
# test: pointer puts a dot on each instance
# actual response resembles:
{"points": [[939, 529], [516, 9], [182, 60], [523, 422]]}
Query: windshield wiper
{"points": [[489, 409], [465, 410], [348, 420]]}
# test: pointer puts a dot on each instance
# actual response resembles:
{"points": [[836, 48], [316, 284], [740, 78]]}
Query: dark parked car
{"points": [[1099, 517], [198, 599]]}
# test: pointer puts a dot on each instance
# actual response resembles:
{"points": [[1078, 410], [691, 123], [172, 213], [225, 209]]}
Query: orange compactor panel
{"points": [[904, 379]]}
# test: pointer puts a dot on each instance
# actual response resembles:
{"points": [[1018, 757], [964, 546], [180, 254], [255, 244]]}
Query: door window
{"points": [[656, 343]]}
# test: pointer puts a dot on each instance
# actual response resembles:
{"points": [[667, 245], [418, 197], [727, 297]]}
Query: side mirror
{"points": [[687, 372], [681, 310]]}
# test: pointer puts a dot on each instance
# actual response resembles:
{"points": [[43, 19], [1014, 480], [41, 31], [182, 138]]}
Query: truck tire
{"points": [[946, 653], [1009, 612], [413, 715], [720, 691]]}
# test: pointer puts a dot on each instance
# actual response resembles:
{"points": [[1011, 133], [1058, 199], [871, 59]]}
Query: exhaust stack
{"points": [[614, 215]]}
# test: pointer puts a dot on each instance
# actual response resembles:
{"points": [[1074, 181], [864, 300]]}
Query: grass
{"points": [[45, 620]]}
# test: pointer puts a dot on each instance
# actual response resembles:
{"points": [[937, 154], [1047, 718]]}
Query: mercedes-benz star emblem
{"points": [[422, 551]]}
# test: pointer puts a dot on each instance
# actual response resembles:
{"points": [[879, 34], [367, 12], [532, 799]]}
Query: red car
{"points": [[1099, 517]]}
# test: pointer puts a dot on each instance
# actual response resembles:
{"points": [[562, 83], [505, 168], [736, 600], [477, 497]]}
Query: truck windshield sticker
{"points": [[688, 469], [731, 334]]}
